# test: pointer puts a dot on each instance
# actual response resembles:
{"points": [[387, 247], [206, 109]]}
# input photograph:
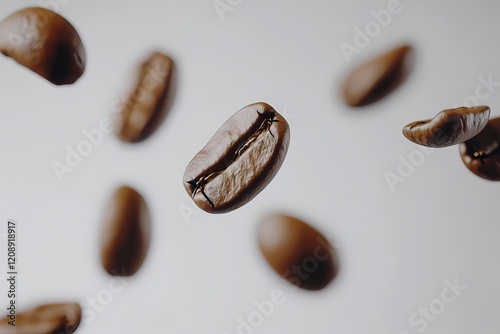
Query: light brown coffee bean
{"points": [[44, 42], [45, 319], [373, 80], [126, 234], [449, 127], [239, 161], [481, 154], [143, 110], [297, 251]]}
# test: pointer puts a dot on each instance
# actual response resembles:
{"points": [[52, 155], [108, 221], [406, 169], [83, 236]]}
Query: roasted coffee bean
{"points": [[297, 252], [239, 161], [372, 81], [449, 127], [143, 109], [45, 319], [127, 232], [44, 42], [481, 154]]}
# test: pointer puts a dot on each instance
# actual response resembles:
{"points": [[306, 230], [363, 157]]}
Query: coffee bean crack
{"points": [[198, 184]]}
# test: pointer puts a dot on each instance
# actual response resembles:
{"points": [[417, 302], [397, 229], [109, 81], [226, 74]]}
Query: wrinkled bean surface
{"points": [[239, 161], [449, 127]]}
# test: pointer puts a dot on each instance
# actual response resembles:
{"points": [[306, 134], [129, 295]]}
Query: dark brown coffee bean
{"points": [[44, 42], [449, 127], [239, 161], [481, 154], [372, 81], [297, 252], [127, 232], [45, 319], [144, 107]]}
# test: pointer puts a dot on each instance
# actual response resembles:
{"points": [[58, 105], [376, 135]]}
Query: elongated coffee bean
{"points": [[126, 235], [373, 80], [239, 161], [143, 109], [481, 154], [45, 319], [297, 252], [44, 42], [449, 127]]}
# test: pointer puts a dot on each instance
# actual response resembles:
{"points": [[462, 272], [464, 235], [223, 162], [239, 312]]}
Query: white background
{"points": [[395, 248]]}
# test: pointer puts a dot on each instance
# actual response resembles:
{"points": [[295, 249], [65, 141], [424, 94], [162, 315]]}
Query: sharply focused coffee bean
{"points": [[44, 42], [297, 252], [239, 161], [144, 107], [449, 127], [126, 234], [45, 319], [373, 80], [481, 154]]}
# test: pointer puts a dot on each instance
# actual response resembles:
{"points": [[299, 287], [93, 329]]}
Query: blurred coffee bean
{"points": [[126, 234], [143, 110], [297, 252], [44, 42], [373, 80], [45, 319]]}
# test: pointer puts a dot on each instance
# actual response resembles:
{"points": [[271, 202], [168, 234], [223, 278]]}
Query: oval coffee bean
{"points": [[449, 127], [239, 161], [127, 232], [44, 42], [481, 154], [373, 80], [143, 109], [45, 319], [297, 252]]}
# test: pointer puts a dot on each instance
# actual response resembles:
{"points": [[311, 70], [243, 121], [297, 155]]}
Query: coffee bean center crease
{"points": [[198, 184]]}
